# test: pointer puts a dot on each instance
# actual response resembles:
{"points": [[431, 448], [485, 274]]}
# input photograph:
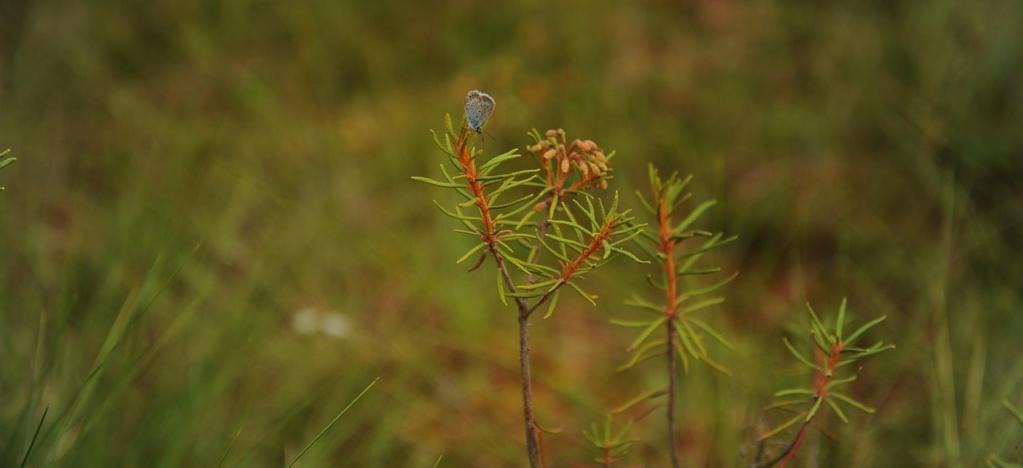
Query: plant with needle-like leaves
{"points": [[609, 445], [834, 350], [5, 160], [675, 311], [533, 260]]}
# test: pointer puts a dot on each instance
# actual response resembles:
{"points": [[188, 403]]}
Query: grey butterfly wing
{"points": [[478, 107]]}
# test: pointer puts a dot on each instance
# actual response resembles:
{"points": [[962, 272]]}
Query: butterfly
{"points": [[478, 107]]}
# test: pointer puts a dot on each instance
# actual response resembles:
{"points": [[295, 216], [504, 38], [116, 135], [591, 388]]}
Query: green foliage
{"points": [[833, 350], [578, 234], [5, 161], [608, 444]]}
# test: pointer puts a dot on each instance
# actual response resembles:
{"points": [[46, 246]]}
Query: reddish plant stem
{"points": [[569, 269], [795, 445], [578, 184], [668, 249], [607, 455], [790, 451], [821, 381], [604, 234], [472, 180]]}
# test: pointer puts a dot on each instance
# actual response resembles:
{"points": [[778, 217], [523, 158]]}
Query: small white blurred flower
{"points": [[335, 324], [306, 321], [310, 321]]}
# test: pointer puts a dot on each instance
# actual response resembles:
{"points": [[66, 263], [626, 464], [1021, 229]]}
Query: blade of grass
{"points": [[35, 435], [230, 445], [331, 423]]}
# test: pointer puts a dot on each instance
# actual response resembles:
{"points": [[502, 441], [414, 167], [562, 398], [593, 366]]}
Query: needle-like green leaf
{"points": [[853, 403], [500, 287], [783, 426], [813, 410], [470, 252], [437, 182], [860, 331], [646, 332], [639, 399], [681, 226], [799, 355], [710, 331], [817, 325], [837, 409], [840, 320], [643, 353], [552, 304]]}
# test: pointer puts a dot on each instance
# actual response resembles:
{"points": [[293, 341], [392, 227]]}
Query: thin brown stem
{"points": [[526, 375], [667, 248], [527, 392], [671, 392]]}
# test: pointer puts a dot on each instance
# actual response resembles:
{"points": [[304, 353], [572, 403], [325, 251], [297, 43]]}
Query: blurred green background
{"points": [[210, 244]]}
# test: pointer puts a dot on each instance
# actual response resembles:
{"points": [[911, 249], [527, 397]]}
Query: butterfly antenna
{"points": [[491, 135]]}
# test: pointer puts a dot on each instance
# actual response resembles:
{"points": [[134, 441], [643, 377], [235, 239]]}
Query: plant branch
{"points": [[595, 243], [532, 447], [821, 381], [544, 298], [570, 268], [490, 238]]}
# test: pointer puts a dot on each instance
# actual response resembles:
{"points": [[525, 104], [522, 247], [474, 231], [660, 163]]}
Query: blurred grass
{"points": [[192, 175]]}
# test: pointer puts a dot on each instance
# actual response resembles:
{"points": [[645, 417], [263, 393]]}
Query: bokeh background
{"points": [[210, 243]]}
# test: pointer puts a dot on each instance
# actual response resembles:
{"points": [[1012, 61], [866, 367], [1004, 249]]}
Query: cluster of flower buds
{"points": [[583, 156]]}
